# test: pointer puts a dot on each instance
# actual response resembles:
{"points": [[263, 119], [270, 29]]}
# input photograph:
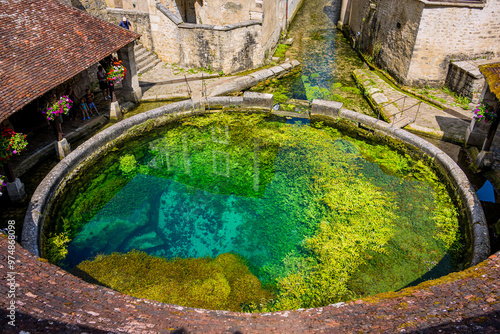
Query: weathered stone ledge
{"points": [[181, 24], [238, 84]]}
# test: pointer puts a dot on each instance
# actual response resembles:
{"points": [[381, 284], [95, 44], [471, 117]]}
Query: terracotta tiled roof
{"points": [[43, 43], [492, 74]]}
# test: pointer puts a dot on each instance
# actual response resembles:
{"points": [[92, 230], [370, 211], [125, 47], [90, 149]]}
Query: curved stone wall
{"points": [[478, 230], [61, 299]]}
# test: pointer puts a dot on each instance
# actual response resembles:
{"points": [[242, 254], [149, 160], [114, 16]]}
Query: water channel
{"points": [[327, 59]]}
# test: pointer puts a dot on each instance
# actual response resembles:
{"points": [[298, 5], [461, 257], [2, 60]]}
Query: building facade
{"points": [[417, 40], [221, 35]]}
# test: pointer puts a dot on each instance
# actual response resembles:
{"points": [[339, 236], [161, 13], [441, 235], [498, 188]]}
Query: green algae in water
{"points": [[221, 283], [313, 217], [327, 60]]}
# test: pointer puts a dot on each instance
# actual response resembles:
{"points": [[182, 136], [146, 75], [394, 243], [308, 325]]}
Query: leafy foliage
{"points": [[11, 143], [281, 50]]}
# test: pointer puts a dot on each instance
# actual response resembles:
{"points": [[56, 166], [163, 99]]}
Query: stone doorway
{"points": [[187, 10]]}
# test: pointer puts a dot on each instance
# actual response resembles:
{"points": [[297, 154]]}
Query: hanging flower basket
{"points": [[484, 111], [116, 73], [60, 107], [11, 143]]}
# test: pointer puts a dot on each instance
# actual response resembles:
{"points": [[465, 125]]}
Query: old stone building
{"points": [[222, 35], [417, 40]]}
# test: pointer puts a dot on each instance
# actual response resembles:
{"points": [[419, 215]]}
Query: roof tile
{"points": [[44, 43]]}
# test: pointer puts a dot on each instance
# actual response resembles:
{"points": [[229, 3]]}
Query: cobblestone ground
{"points": [[50, 300]]}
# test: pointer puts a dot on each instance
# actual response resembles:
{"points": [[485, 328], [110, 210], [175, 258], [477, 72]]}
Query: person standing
{"points": [[103, 82], [72, 96], [125, 23]]}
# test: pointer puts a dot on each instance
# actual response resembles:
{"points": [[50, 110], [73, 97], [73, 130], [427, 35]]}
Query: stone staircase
{"points": [[144, 59]]}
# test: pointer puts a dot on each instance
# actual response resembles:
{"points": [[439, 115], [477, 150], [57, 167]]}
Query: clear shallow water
{"points": [[326, 57], [288, 198]]}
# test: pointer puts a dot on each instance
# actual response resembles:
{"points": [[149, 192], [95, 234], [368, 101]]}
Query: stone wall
{"points": [[273, 24], [453, 33], [223, 35], [293, 7], [415, 40], [386, 31], [96, 8], [229, 50], [223, 12], [465, 79], [140, 21]]}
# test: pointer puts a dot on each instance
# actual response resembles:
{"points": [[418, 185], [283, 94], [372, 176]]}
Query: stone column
{"points": [[131, 90], [343, 11]]}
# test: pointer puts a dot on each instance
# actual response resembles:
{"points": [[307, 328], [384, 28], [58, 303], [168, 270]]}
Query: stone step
{"points": [[146, 60], [139, 57], [140, 52], [148, 66], [138, 46]]}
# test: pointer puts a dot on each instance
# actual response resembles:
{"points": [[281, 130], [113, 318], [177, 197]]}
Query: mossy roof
{"points": [[491, 73]]}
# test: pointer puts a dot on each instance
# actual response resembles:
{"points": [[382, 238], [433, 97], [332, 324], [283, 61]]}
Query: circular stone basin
{"points": [[318, 217]]}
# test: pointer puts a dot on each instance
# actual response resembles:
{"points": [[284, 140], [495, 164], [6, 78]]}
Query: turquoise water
{"points": [[210, 187]]}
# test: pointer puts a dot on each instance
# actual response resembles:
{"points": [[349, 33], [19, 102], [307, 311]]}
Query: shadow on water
{"points": [[333, 11], [439, 270]]}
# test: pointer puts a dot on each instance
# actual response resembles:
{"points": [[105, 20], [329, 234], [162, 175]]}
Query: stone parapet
{"points": [[258, 100], [327, 108]]}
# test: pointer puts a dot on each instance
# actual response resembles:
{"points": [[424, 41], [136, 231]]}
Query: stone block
{"points": [[258, 100], [430, 149], [15, 190], [348, 114], [115, 110], [484, 159], [379, 98], [366, 120], [327, 108], [63, 148], [262, 75], [286, 66], [476, 133]]}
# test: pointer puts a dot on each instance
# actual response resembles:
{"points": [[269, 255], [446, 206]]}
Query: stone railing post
{"points": [[131, 89]]}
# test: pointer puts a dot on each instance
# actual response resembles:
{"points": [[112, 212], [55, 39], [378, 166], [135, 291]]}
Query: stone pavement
{"points": [[50, 300], [447, 123], [169, 82]]}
